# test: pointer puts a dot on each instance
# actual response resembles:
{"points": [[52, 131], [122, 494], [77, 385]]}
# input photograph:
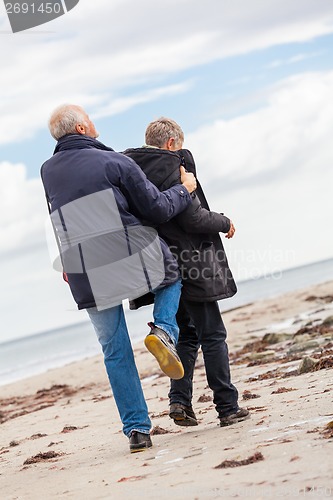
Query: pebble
{"points": [[306, 364], [262, 355], [275, 338], [299, 347]]}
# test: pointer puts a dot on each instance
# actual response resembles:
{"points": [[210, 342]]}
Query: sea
{"points": [[35, 354]]}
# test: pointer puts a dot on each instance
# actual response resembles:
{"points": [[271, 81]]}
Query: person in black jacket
{"points": [[96, 199], [193, 237]]}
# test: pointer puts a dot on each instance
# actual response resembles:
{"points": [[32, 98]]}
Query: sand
{"points": [[61, 437]]}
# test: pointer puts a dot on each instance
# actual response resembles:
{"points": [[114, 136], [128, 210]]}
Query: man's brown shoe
{"points": [[183, 415], [239, 416]]}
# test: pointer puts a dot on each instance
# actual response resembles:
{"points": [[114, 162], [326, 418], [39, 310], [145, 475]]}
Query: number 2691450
{"points": [[34, 8]]}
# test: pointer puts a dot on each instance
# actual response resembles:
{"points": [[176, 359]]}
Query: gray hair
{"points": [[64, 119], [161, 130]]}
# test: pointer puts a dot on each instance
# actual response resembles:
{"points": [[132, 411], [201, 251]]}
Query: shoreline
{"points": [[65, 420], [49, 344]]}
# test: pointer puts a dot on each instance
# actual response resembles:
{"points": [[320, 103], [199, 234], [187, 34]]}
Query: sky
{"points": [[251, 84]]}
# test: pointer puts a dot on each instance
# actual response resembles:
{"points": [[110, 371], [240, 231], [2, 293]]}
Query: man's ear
{"points": [[80, 129]]}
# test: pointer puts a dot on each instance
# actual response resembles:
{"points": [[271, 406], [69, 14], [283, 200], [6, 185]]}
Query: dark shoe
{"points": [[183, 415], [161, 346], [239, 416], [139, 441]]}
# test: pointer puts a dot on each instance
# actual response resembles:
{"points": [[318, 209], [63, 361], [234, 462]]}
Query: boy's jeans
{"points": [[112, 333]]}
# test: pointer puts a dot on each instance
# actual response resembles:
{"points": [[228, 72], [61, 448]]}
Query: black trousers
{"points": [[200, 323]]}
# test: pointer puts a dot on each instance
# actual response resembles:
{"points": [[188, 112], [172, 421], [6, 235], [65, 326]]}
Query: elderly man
{"points": [[194, 238], [96, 200]]}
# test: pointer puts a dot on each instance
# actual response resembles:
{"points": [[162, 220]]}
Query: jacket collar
{"points": [[77, 141]]}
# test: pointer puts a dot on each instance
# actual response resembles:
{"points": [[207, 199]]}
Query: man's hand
{"points": [[231, 231], [188, 179]]}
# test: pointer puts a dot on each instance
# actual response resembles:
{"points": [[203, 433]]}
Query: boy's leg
{"points": [[212, 336], [162, 339], [180, 394], [187, 348], [165, 309], [112, 333]]}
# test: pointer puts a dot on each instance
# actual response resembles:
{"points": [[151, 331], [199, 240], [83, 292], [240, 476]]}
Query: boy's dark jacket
{"points": [[193, 236]]}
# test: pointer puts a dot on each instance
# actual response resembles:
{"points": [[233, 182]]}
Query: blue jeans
{"points": [[112, 333], [166, 305]]}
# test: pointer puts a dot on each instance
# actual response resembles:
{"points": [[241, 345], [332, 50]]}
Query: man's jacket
{"points": [[97, 199], [193, 235]]}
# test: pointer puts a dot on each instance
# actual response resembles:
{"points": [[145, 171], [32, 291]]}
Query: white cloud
{"points": [[292, 60], [21, 208], [123, 104], [99, 53], [295, 123], [271, 171], [33, 296]]}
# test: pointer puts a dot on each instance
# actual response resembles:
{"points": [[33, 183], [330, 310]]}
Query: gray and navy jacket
{"points": [[81, 167]]}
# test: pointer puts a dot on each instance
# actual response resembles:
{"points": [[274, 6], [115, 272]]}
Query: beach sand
{"points": [[61, 435]]}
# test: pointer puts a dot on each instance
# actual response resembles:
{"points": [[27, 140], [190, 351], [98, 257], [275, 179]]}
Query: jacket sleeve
{"points": [[196, 219], [146, 200]]}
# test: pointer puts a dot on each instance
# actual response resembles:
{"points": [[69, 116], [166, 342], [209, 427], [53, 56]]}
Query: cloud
{"points": [[33, 296], [289, 131], [123, 104], [135, 44], [292, 60], [21, 209], [271, 171]]}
